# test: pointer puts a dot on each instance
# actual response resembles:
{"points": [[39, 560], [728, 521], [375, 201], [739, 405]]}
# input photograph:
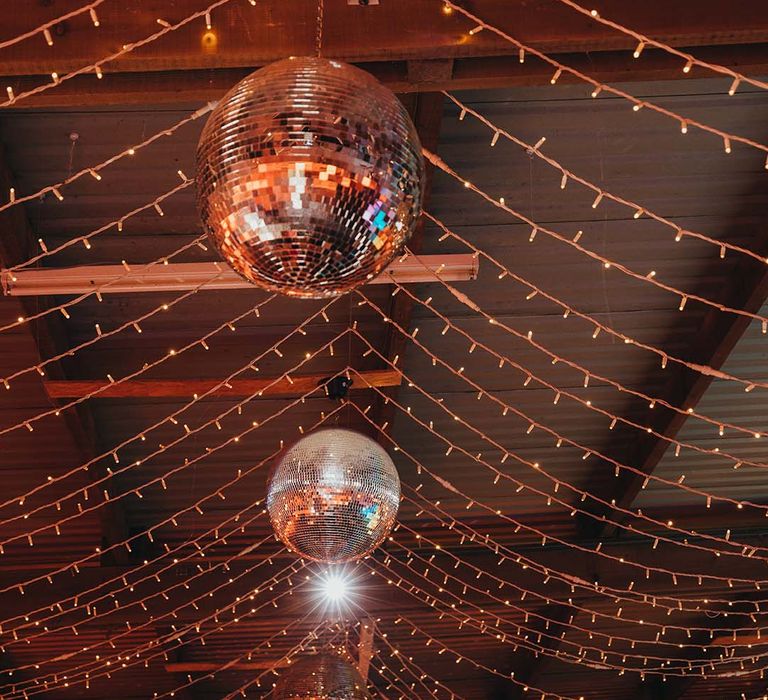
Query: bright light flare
{"points": [[336, 590], [335, 587]]}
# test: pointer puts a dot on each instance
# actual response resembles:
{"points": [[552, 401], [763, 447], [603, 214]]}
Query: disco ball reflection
{"points": [[321, 677], [333, 496], [309, 177]]}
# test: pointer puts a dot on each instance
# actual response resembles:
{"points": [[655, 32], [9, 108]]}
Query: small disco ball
{"points": [[333, 496], [309, 177], [321, 677]]}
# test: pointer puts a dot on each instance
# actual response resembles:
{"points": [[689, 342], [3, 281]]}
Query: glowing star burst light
{"points": [[337, 591], [335, 587]]}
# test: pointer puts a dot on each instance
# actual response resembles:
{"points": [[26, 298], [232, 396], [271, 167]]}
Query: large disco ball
{"points": [[321, 677], [333, 496], [309, 177]]}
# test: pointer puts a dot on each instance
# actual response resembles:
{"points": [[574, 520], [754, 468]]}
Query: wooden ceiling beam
{"points": [[208, 667], [187, 388], [169, 87], [50, 337], [247, 36]]}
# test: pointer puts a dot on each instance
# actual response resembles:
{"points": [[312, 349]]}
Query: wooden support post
{"points": [[365, 646]]}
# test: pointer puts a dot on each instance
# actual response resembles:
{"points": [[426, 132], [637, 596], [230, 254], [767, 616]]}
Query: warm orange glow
{"points": [[447, 10], [209, 41]]}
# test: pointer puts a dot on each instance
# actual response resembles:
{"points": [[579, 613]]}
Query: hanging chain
{"points": [[319, 32]]}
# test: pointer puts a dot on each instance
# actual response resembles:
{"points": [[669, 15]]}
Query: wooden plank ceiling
{"points": [[415, 47]]}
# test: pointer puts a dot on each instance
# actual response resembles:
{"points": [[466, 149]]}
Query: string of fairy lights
{"points": [[486, 623], [619, 596], [588, 375], [143, 603], [77, 601], [525, 630], [414, 671], [721, 427], [417, 573], [158, 480], [44, 30], [64, 307], [639, 211], [180, 584], [599, 87], [578, 608], [472, 502], [272, 669], [465, 585], [560, 440], [605, 262], [175, 416], [97, 68], [96, 171], [491, 626], [115, 224], [592, 614], [442, 648], [427, 566], [89, 606], [285, 659], [689, 60], [234, 607], [734, 633], [549, 498]]}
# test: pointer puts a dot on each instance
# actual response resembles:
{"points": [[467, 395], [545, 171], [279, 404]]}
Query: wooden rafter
{"points": [[247, 37], [436, 53], [276, 386], [425, 75], [715, 339], [207, 667]]}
